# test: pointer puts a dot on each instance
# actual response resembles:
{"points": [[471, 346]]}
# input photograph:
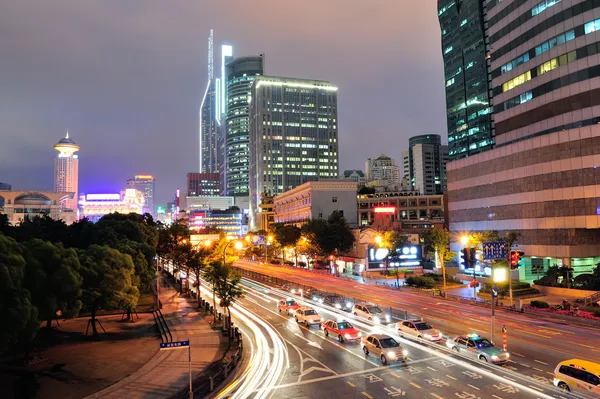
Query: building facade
{"points": [[356, 175], [468, 103], [66, 171], [94, 206], [293, 135], [207, 202], [424, 164], [18, 205], [146, 185], [240, 74], [317, 200], [542, 180], [382, 168], [203, 184], [208, 119], [404, 210], [5, 186], [227, 220]]}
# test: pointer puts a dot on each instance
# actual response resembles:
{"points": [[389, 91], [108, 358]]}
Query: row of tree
{"points": [[49, 270]]}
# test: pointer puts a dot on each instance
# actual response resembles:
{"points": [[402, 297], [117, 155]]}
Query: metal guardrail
{"points": [[163, 327]]}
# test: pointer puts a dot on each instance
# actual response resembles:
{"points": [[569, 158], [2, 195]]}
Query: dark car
{"points": [[313, 294], [336, 301]]}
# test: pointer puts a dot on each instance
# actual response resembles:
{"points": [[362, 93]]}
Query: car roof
{"points": [[306, 308], [379, 336], [592, 367]]}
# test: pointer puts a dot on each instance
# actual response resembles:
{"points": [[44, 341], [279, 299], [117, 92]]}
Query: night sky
{"points": [[126, 78]]}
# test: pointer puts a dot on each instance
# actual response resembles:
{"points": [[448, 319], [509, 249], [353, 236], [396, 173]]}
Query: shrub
{"points": [[275, 262], [288, 263], [597, 313], [539, 304], [420, 282], [302, 264]]}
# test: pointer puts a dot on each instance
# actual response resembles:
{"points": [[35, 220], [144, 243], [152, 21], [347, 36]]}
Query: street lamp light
{"points": [[238, 245], [378, 239], [464, 240]]}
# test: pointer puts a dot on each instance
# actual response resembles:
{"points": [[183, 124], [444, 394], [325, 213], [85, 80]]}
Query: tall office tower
{"points": [[542, 178], [424, 164], [208, 119], [202, 184], [220, 112], [145, 185], [383, 169], [240, 74], [66, 171], [468, 107], [293, 135]]}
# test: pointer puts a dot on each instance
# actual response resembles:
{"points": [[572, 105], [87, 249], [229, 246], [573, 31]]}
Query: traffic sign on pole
{"points": [[495, 292], [494, 250], [174, 345]]}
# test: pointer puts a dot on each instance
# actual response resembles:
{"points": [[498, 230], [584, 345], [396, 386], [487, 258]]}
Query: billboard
{"points": [[406, 257]]}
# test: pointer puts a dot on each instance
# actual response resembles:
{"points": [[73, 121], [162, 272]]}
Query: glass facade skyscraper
{"points": [[240, 74], [468, 105], [293, 135]]}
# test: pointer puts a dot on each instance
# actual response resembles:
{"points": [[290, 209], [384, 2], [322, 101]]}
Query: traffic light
{"points": [[464, 257], [520, 260], [514, 260], [472, 257]]}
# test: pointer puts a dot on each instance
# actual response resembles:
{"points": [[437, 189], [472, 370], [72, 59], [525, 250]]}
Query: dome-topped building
{"points": [[66, 170]]}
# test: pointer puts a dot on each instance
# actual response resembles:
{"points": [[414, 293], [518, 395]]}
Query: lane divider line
{"points": [[367, 395]]}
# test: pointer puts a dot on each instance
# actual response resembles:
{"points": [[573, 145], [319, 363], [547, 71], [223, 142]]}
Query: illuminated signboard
{"points": [[384, 209], [409, 255], [103, 197], [144, 177]]}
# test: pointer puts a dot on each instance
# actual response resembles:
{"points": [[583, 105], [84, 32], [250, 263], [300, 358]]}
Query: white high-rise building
{"points": [[66, 171], [382, 169]]}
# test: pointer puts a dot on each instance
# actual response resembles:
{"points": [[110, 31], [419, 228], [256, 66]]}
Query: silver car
{"points": [[479, 348], [384, 347]]}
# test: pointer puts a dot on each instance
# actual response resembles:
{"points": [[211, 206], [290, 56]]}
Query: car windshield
{"points": [[423, 326], [483, 343], [290, 303], [374, 309], [344, 325], [310, 312], [388, 343]]}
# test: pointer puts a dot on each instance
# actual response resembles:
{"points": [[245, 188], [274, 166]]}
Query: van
{"points": [[577, 375]]}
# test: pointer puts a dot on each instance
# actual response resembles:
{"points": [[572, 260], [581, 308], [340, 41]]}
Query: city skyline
{"points": [[145, 105]]}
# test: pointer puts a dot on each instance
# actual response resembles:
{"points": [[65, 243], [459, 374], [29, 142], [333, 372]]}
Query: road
{"points": [[321, 367], [536, 345]]}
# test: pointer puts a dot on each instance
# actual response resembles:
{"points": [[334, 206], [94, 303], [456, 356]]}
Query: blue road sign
{"points": [[495, 292], [258, 240], [175, 345], [494, 250]]}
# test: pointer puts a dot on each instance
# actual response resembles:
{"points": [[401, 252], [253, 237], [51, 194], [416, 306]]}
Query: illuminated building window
{"points": [[519, 80]]}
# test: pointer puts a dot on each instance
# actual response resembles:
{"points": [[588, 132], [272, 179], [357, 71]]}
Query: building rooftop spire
{"points": [[67, 136]]}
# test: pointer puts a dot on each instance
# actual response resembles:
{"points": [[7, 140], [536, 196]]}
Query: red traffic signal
{"points": [[515, 259]]}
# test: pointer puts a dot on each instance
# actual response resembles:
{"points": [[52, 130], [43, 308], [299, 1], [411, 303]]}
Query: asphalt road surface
{"points": [[536, 346]]}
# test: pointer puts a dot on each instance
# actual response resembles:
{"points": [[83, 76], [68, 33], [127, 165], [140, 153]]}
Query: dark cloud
{"points": [[126, 78]]}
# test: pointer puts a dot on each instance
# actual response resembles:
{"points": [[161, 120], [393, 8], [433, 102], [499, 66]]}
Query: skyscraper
{"points": [[468, 106], [240, 74], [425, 162], [542, 178], [293, 135], [208, 119], [220, 112], [66, 171], [144, 184]]}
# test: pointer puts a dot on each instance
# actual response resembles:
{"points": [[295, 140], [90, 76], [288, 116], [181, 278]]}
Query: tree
{"points": [[214, 274], [393, 241], [228, 287], [19, 321], [42, 227], [438, 239], [107, 281], [52, 276], [197, 264], [287, 236]]}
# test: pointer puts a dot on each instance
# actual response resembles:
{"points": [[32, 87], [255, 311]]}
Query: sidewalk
{"points": [[167, 372]]}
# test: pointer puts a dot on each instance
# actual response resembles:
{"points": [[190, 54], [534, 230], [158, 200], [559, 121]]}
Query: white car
{"points": [[384, 347], [307, 316], [371, 312], [418, 329]]}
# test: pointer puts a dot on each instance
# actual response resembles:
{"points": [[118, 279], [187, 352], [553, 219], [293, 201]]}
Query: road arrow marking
{"points": [[311, 343]]}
